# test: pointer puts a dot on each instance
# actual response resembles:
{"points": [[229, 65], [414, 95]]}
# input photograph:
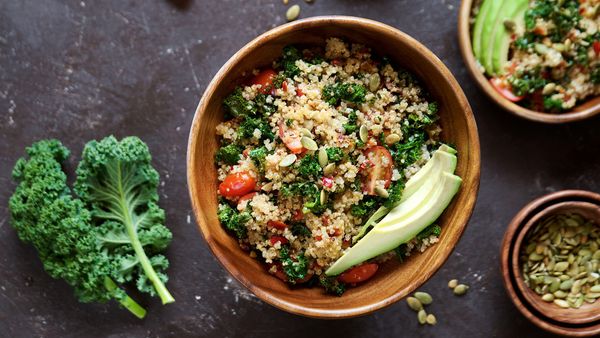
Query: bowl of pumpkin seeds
{"points": [[551, 262]]}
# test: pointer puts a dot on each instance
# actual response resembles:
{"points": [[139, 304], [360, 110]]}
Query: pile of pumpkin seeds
{"points": [[417, 302], [561, 260]]}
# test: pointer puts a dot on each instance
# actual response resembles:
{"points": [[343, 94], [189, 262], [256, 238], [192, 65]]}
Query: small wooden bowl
{"points": [[394, 281], [582, 111], [584, 321]]}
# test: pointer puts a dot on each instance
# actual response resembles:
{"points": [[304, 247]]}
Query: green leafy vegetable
{"points": [[119, 186], [527, 83], [350, 92], [290, 55], [238, 106], [259, 156], [44, 214], [395, 194], [332, 285], [409, 151], [351, 126], [364, 207], [233, 220], [295, 268], [249, 124], [229, 154], [299, 229], [432, 230], [309, 167], [551, 104], [335, 154]]}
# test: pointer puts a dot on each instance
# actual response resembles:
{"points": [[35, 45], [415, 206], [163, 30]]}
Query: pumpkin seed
{"points": [[414, 304], [306, 132], [561, 266], [287, 161], [392, 138], [453, 283], [548, 297], [431, 320], [548, 88], [562, 303], [323, 197], [363, 132], [381, 192], [595, 288], [374, 82], [292, 13], [560, 294], [329, 169], [309, 143], [323, 158], [566, 285], [422, 317], [424, 297], [461, 289]]}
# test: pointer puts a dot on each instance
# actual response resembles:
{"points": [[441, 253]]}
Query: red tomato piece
{"points": [[291, 139], [298, 215], [299, 92], [284, 86], [596, 45], [246, 197], [265, 79], [502, 88], [237, 184], [327, 182], [276, 225], [381, 168], [280, 239], [359, 273], [279, 272]]}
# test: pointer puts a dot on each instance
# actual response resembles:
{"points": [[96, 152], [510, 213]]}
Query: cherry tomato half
{"points": [[274, 239], [503, 88], [359, 273], [246, 197], [596, 46], [380, 168], [265, 79], [237, 184]]}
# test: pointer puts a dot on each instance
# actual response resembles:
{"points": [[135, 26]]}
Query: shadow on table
{"points": [[180, 4]]}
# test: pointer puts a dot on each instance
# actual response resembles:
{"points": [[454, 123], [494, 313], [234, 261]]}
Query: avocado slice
{"points": [[443, 159], [390, 233], [484, 8], [502, 40], [489, 30]]}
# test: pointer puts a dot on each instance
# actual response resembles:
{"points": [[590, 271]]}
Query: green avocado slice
{"points": [[489, 30], [397, 228], [478, 27], [503, 36]]}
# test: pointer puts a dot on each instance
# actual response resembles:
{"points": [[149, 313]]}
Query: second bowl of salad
{"points": [[330, 173], [539, 59]]}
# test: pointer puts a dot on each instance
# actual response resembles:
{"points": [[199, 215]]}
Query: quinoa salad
{"points": [[553, 53], [311, 147]]}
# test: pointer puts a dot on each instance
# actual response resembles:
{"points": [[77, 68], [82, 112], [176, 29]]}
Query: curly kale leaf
{"points": [[259, 156], [332, 285], [395, 194], [229, 154], [236, 105], [288, 62], [250, 124], [233, 221], [309, 167], [364, 207], [59, 227], [334, 154], [409, 151], [295, 268], [119, 185], [432, 230], [350, 92], [309, 192]]}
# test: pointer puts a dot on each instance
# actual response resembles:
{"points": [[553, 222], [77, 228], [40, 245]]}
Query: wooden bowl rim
{"points": [[508, 278], [466, 49], [551, 209], [472, 176]]}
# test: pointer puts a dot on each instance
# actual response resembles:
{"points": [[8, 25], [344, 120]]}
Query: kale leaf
{"points": [[290, 55], [295, 268], [236, 105], [229, 154], [233, 221], [334, 154], [351, 126], [350, 92], [309, 167], [432, 230]]}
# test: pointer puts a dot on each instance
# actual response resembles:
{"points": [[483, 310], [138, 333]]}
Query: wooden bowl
{"points": [[584, 321], [394, 281], [582, 111]]}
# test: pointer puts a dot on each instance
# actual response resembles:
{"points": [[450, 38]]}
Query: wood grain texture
{"points": [[393, 281], [582, 111], [581, 322]]}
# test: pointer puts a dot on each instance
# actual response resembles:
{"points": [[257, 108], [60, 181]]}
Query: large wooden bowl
{"points": [[582, 322], [394, 281], [582, 111]]}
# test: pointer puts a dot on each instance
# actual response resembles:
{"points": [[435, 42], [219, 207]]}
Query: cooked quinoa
{"points": [[297, 181]]}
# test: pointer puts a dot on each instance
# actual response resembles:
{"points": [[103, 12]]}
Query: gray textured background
{"points": [[79, 70]]}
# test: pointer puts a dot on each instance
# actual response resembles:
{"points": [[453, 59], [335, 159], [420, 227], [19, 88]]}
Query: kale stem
{"points": [[126, 211], [126, 301]]}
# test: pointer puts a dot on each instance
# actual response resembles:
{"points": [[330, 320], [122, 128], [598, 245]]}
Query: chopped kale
{"points": [[236, 105], [229, 154], [350, 92], [258, 156], [335, 154], [332, 285], [300, 229], [288, 62], [432, 230], [265, 109], [365, 207], [351, 126], [551, 104], [395, 194], [295, 268], [527, 83], [409, 151], [309, 191], [400, 252], [250, 124], [309, 167], [233, 220], [595, 75]]}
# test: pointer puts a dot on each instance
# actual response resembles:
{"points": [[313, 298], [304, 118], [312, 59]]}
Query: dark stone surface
{"points": [[79, 70]]}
